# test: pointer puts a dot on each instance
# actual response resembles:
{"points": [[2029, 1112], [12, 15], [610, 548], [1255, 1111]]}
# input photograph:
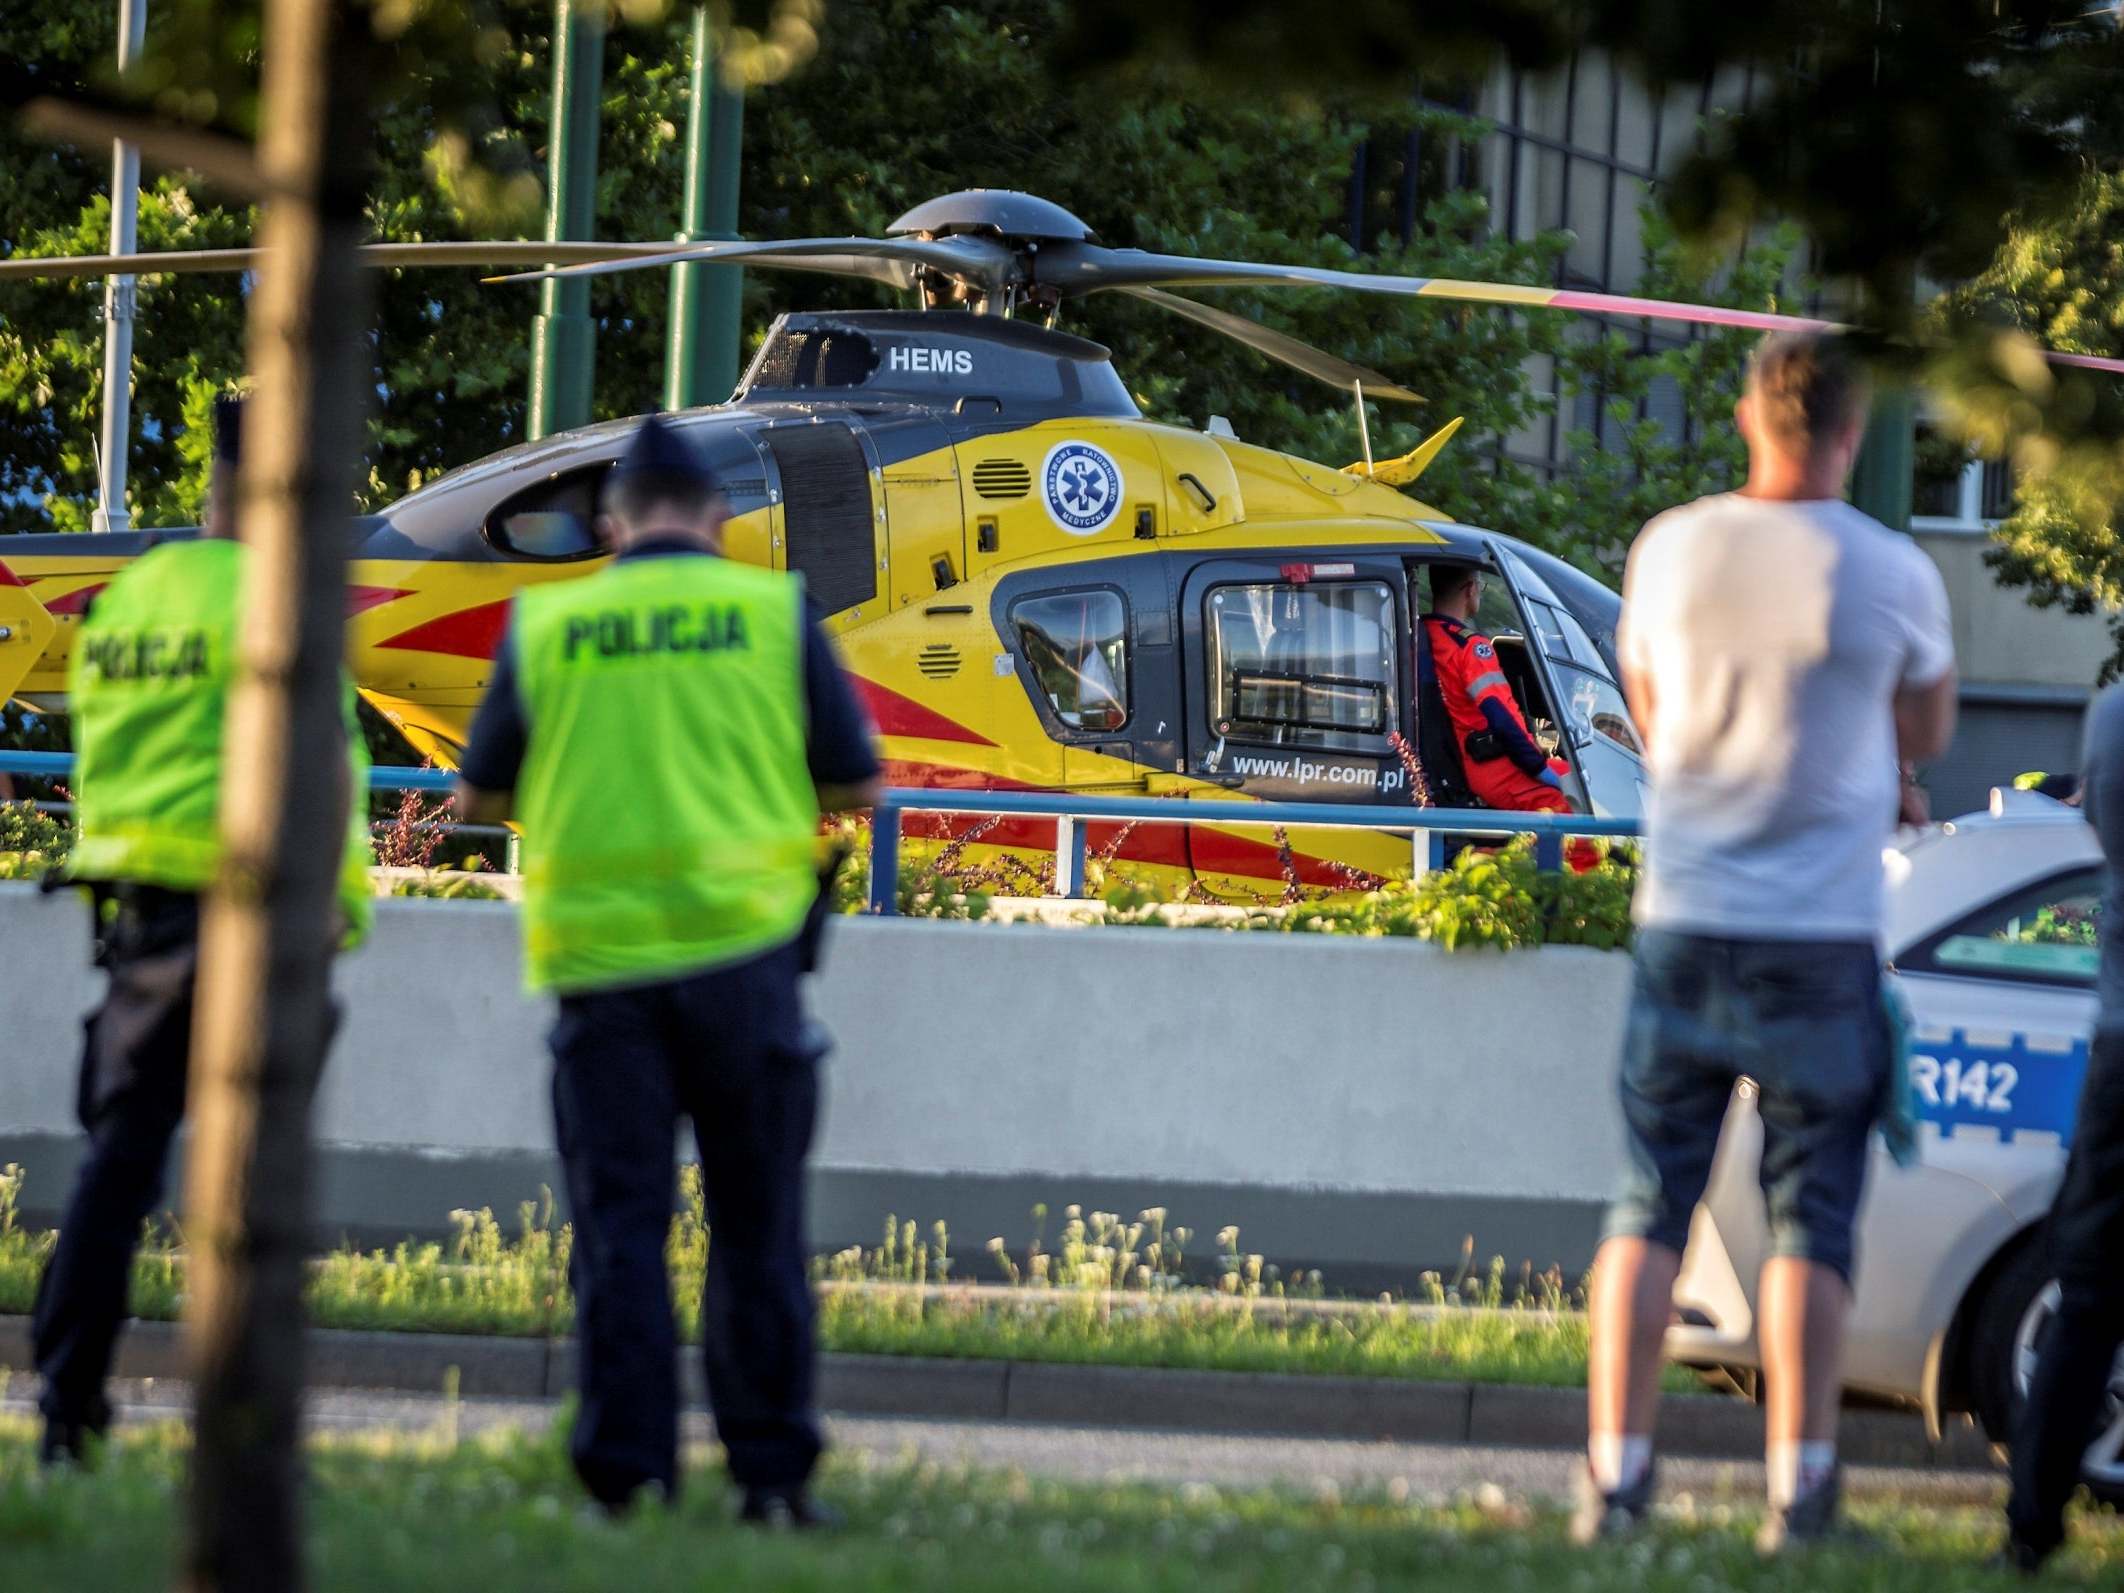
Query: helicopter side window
{"points": [[1076, 645], [551, 521], [1304, 666], [1593, 703]]}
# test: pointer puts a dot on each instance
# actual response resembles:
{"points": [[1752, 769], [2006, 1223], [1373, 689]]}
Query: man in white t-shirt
{"points": [[1784, 656]]}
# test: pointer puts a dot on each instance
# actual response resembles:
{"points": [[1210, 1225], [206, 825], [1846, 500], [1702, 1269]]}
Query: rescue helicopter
{"points": [[1036, 588]]}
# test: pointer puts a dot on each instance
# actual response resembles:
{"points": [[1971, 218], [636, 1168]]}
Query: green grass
{"points": [[420, 1513], [1107, 1292]]}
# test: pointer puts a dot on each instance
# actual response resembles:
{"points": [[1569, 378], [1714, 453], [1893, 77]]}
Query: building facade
{"points": [[1582, 149]]}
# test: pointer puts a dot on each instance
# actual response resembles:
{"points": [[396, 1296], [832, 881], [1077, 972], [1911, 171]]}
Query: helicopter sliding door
{"points": [[1294, 671], [1090, 646]]}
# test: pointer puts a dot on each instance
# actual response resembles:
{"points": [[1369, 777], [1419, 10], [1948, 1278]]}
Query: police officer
{"points": [[2075, 1370], [668, 731], [1506, 768], [149, 688]]}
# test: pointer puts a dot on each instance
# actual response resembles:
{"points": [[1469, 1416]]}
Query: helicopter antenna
{"points": [[1364, 430]]}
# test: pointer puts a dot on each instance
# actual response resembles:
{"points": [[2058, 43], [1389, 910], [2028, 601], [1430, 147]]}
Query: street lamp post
{"points": [[111, 513], [563, 337], [700, 361]]}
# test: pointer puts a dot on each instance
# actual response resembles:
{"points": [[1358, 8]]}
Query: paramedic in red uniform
{"points": [[1505, 766]]}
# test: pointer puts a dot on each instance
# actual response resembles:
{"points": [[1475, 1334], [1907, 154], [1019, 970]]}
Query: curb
{"points": [[1277, 1404]]}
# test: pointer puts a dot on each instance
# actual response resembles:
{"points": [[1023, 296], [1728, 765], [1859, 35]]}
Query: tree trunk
{"points": [[264, 1008]]}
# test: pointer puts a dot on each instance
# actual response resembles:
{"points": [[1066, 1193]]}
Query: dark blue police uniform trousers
{"points": [[729, 1049], [131, 1100], [2068, 1394]]}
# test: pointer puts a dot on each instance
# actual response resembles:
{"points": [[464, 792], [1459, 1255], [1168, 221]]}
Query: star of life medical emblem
{"points": [[1083, 487]]}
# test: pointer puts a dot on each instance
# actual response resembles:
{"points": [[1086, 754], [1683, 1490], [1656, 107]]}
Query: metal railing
{"points": [[383, 777], [1429, 829]]}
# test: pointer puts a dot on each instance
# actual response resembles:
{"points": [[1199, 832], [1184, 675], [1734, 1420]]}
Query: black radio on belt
{"points": [[1484, 746]]}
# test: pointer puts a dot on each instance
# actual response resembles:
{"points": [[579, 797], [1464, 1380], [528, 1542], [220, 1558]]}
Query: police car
{"points": [[1991, 935]]}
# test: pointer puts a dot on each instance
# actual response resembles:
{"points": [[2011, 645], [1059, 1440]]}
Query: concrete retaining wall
{"points": [[1356, 1105]]}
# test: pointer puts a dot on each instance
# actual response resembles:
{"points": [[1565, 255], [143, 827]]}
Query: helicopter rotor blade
{"points": [[978, 262], [384, 256], [1074, 268], [893, 263], [986, 264], [1086, 268], [1281, 347]]}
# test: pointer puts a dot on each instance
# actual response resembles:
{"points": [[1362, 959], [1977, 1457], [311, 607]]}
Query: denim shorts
{"points": [[1804, 1020]]}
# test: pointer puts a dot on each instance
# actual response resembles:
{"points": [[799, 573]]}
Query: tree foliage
{"points": [[1896, 133], [903, 100], [2060, 279]]}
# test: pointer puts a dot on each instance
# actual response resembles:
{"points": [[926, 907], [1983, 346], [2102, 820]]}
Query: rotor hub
{"points": [[1000, 212]]}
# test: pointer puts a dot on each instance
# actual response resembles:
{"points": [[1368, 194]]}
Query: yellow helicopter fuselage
{"points": [[1028, 581]]}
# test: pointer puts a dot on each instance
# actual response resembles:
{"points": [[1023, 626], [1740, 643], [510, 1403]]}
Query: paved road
{"points": [[1424, 1471]]}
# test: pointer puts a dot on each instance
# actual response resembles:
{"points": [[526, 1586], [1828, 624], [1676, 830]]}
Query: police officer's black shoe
{"points": [[2021, 1557], [787, 1510], [67, 1443], [617, 1505]]}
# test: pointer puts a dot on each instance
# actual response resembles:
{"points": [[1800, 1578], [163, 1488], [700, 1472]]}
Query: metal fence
{"points": [[1431, 831], [385, 777]]}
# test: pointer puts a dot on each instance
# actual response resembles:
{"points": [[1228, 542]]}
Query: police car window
{"points": [[1303, 666], [1076, 645], [551, 521], [2047, 934]]}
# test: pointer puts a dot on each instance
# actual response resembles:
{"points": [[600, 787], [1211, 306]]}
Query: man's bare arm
{"points": [[840, 798], [475, 806], [1924, 719]]}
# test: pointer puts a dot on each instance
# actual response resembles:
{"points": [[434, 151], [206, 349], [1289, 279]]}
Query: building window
{"points": [[1939, 470], [1994, 489], [1076, 645], [1951, 488], [1304, 666]]}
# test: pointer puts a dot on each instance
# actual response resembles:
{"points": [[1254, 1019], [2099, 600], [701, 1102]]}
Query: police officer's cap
{"points": [[661, 457], [228, 429]]}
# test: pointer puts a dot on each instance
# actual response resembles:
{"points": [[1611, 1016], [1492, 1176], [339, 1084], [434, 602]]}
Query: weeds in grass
{"points": [[1109, 1290]]}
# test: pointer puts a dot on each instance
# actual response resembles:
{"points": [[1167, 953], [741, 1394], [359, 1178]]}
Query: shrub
{"points": [[1490, 897], [1487, 898], [927, 888], [32, 841], [443, 885]]}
